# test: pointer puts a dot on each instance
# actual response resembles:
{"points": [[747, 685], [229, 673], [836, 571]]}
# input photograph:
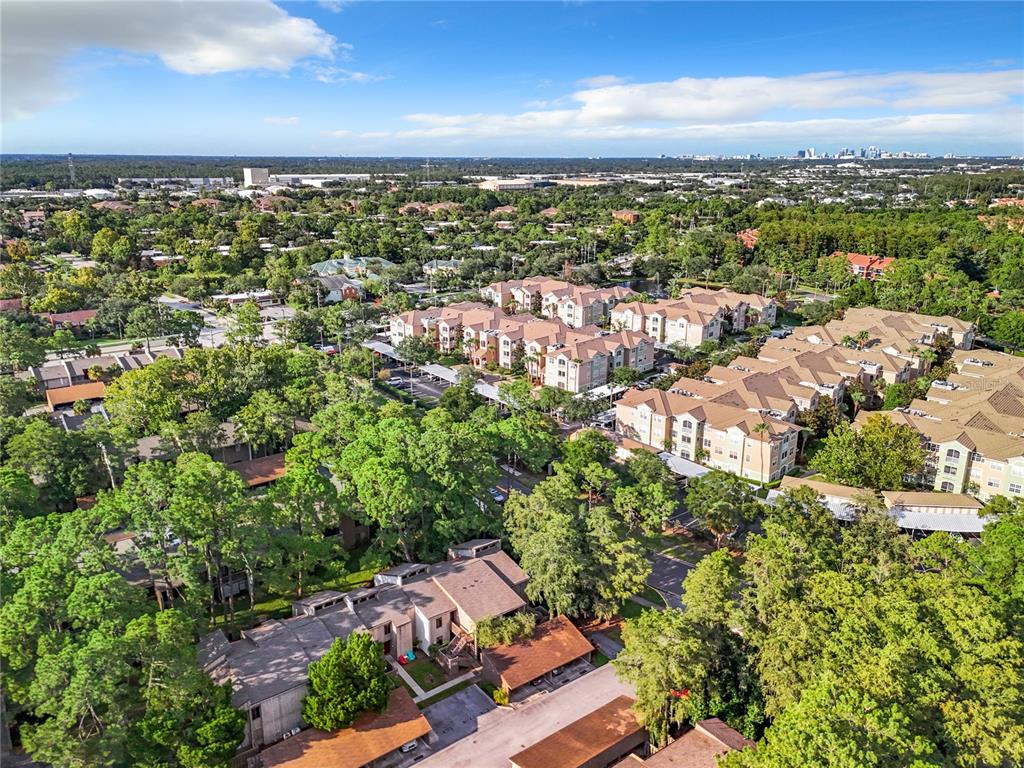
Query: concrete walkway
{"points": [[441, 688], [408, 679], [605, 644]]}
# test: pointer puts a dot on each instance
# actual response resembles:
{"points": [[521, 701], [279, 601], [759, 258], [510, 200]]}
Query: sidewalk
{"points": [[408, 679]]}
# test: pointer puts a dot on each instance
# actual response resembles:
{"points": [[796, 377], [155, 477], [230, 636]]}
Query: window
{"points": [[993, 483], [1014, 488], [255, 713], [975, 456], [947, 487], [718, 451], [685, 438], [931, 447], [949, 470], [952, 453], [707, 443], [686, 424], [732, 455]]}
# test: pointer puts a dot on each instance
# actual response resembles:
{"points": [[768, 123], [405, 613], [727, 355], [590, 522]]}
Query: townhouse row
{"points": [[575, 359], [410, 606]]}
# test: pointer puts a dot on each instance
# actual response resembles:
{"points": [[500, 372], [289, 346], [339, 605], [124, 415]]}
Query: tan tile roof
{"points": [[929, 499], [373, 735], [553, 644], [583, 740], [822, 488]]}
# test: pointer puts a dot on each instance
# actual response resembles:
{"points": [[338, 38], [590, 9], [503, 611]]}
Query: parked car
{"points": [[329, 349], [396, 381], [409, 746], [498, 496]]}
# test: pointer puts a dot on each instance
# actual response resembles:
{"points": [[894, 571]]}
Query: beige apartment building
{"points": [[893, 332], [964, 459], [670, 321], [553, 353], [721, 436], [574, 305]]}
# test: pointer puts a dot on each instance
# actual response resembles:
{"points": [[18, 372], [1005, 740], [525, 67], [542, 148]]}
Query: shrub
{"points": [[503, 630]]}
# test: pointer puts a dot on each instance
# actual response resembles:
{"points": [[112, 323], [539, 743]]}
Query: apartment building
{"points": [[773, 392], [869, 366], [585, 362], [866, 267], [572, 358], [964, 459], [670, 321], [893, 332], [574, 305], [722, 436], [412, 605]]}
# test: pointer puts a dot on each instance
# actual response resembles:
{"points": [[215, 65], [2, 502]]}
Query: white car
{"points": [[396, 381], [409, 746]]}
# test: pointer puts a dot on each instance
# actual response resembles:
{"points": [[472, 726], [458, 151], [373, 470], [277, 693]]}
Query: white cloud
{"points": [[837, 106], [326, 73], [601, 81], [194, 38], [339, 134], [334, 6], [281, 120]]}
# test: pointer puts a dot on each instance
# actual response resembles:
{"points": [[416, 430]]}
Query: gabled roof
{"points": [[583, 740], [553, 644], [372, 736]]}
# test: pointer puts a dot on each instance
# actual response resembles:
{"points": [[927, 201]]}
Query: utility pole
{"points": [[71, 170]]}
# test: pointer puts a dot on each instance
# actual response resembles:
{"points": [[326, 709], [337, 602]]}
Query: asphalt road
{"points": [[498, 738], [667, 576]]}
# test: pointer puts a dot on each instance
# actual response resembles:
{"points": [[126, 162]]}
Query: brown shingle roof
{"points": [[584, 739], [94, 390], [260, 471], [700, 747], [553, 644], [372, 736]]}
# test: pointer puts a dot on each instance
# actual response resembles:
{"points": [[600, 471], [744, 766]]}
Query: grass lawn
{"points": [[444, 694], [686, 549], [653, 595], [599, 659], [425, 672], [631, 609], [398, 682]]}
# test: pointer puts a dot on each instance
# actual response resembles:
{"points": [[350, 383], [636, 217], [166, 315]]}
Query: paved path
{"points": [[441, 688], [498, 740], [408, 679], [605, 644], [647, 603]]}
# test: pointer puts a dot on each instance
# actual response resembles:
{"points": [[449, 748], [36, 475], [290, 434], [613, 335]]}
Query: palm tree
{"points": [[761, 429], [862, 338], [846, 341], [858, 397]]}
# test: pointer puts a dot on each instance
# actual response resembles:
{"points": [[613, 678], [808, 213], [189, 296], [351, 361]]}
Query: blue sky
{"points": [[526, 79]]}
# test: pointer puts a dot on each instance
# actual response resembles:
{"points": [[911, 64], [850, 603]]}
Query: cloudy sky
{"points": [[522, 79]]}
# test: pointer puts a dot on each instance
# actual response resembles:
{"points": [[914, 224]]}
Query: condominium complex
{"points": [[740, 417], [753, 445], [575, 359], [574, 305]]}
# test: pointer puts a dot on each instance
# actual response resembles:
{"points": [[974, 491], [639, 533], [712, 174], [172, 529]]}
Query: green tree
{"points": [[878, 455], [19, 349], [246, 325], [349, 679], [720, 502]]}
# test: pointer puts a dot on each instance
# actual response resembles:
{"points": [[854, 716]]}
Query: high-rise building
{"points": [[256, 177]]}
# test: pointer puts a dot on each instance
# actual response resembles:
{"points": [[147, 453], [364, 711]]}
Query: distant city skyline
{"points": [[502, 79]]}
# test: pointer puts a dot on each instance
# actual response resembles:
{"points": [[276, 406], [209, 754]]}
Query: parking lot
{"points": [[461, 714], [417, 384]]}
